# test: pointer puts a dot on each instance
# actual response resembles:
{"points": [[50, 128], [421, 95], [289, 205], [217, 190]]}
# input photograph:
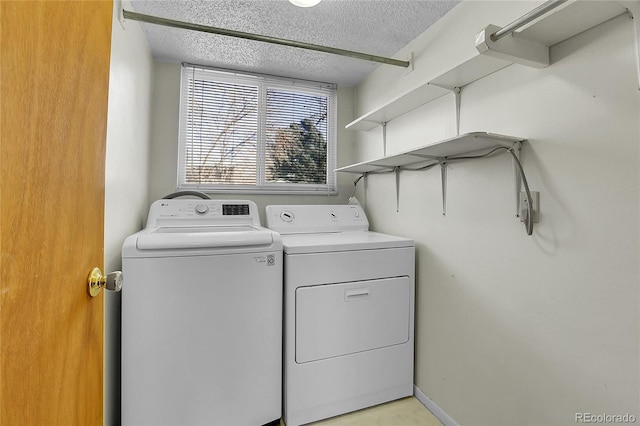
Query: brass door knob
{"points": [[96, 280]]}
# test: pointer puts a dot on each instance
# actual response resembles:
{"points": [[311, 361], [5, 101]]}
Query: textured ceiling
{"points": [[379, 27]]}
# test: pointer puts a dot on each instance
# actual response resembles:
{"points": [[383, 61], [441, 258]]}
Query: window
{"points": [[254, 133]]}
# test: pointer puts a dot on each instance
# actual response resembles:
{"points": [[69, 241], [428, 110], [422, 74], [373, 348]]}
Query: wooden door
{"points": [[54, 88]]}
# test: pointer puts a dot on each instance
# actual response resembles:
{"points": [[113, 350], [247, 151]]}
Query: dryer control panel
{"points": [[204, 212], [294, 219]]}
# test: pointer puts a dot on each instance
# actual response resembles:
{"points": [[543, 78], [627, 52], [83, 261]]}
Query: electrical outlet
{"points": [[522, 205]]}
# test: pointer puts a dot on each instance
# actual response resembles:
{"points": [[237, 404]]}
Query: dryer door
{"points": [[340, 319]]}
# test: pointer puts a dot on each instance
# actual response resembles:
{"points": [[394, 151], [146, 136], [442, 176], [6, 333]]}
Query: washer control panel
{"points": [[205, 212], [290, 219]]}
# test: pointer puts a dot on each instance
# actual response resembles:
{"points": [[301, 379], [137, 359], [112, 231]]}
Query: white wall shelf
{"points": [[473, 69], [565, 22], [467, 146], [438, 152], [396, 107]]}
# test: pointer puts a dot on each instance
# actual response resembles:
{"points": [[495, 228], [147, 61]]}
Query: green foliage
{"points": [[299, 154]]}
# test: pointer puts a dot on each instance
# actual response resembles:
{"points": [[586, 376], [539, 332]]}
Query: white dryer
{"points": [[349, 311], [202, 317]]}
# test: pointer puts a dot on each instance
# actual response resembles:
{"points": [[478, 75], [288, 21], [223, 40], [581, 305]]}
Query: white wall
{"points": [[164, 145], [126, 180], [513, 329]]}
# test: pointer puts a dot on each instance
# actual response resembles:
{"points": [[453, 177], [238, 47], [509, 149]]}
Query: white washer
{"points": [[202, 317], [349, 311]]}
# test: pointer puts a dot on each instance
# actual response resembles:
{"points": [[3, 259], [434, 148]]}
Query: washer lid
{"points": [[203, 237], [341, 241]]}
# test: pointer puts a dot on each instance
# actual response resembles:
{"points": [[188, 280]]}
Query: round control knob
{"points": [[202, 209], [286, 216]]}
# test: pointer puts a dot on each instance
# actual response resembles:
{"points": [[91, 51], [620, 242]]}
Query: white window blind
{"points": [[254, 133]]}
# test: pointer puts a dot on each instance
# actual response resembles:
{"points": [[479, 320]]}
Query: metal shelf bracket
{"points": [[443, 179], [457, 93], [397, 172], [634, 10], [384, 138]]}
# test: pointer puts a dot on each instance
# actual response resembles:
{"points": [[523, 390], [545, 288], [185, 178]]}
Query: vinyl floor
{"points": [[403, 412]]}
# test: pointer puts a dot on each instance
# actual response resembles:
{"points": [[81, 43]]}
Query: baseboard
{"points": [[438, 412]]}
